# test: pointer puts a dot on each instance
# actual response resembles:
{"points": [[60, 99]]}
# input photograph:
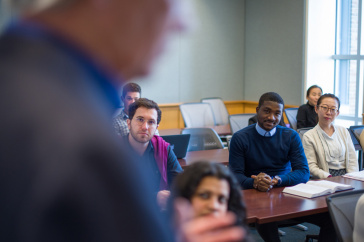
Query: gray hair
{"points": [[33, 6]]}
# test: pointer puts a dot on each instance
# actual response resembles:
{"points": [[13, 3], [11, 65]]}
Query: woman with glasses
{"points": [[328, 147]]}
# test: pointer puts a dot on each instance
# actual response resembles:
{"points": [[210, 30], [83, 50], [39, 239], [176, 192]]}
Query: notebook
{"points": [[358, 175], [179, 143], [316, 188]]}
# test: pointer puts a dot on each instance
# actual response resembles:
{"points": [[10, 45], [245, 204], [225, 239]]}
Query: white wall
{"points": [[274, 32], [206, 63], [240, 49]]}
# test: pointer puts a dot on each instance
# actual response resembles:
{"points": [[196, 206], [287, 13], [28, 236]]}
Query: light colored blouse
{"points": [[334, 148], [323, 153]]}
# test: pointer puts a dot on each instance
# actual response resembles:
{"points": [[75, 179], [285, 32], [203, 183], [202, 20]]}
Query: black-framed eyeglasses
{"points": [[332, 110], [141, 121]]}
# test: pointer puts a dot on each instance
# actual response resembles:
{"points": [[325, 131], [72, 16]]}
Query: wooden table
{"points": [[216, 155], [221, 130], [265, 207]]}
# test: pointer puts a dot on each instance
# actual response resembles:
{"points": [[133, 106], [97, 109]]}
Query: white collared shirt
{"points": [[334, 148]]}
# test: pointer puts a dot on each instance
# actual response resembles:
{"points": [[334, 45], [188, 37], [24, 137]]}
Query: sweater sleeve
{"points": [[300, 172], [311, 151], [237, 162]]}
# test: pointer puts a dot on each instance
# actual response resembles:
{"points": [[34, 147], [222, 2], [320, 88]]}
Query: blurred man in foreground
{"points": [[63, 174]]}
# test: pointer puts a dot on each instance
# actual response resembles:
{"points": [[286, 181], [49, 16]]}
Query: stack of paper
{"points": [[359, 175]]}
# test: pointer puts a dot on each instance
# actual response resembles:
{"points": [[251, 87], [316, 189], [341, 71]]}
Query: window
{"points": [[349, 56], [335, 52]]}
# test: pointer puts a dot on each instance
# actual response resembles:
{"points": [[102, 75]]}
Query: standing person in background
{"points": [[131, 92], [64, 175], [306, 115], [328, 147]]}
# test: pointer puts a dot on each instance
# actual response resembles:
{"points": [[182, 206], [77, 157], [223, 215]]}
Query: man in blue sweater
{"points": [[266, 155]]}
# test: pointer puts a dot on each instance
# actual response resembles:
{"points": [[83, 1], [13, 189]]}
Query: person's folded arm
{"points": [[237, 162], [300, 172]]}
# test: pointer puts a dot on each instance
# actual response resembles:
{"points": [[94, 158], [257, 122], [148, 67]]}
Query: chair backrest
{"points": [[219, 110], [356, 131], [203, 139], [342, 210], [291, 114], [197, 115], [228, 140], [302, 131], [239, 121]]}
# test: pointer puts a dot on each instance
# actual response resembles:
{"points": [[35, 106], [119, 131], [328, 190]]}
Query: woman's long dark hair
{"points": [[185, 185]]}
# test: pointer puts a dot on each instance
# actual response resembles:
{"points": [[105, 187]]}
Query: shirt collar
{"points": [[102, 78], [265, 133], [147, 150], [323, 133], [124, 115]]}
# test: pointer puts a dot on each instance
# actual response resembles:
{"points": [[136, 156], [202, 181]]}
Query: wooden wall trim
{"points": [[172, 118]]}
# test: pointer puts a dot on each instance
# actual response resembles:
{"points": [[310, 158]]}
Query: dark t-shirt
{"points": [[149, 164]]}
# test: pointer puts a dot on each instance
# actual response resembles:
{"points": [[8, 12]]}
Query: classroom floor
{"points": [[292, 234]]}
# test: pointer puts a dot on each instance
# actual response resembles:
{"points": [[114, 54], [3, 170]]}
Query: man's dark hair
{"points": [[310, 88], [328, 95], [131, 87], [186, 183], [270, 96], [145, 103]]}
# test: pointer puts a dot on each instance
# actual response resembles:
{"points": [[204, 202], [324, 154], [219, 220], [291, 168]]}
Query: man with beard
{"points": [[266, 155], [272, 154], [157, 156]]}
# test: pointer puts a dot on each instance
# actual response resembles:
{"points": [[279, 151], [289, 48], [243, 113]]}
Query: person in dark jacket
{"points": [[306, 114], [64, 174]]}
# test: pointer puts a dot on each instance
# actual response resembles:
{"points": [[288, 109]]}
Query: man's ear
{"points": [[257, 109], [128, 122], [316, 108]]}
